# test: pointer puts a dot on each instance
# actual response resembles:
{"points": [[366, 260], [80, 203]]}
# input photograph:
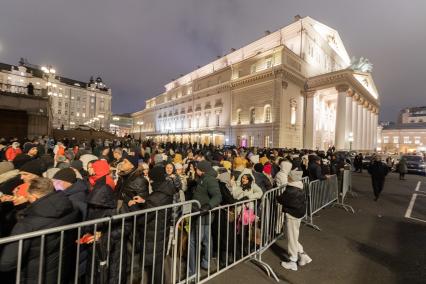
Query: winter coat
{"points": [[11, 153], [378, 170], [281, 178], [315, 173], [8, 216], [102, 203], [293, 201], [207, 191], [262, 181], [50, 211], [131, 185], [77, 194], [253, 193], [402, 166], [157, 226]]}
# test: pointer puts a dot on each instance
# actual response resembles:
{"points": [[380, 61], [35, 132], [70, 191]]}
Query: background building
{"points": [[121, 124], [72, 102], [413, 115], [295, 87], [408, 136]]}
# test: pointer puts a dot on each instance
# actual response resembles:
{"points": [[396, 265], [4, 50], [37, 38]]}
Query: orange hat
{"points": [[263, 160]]}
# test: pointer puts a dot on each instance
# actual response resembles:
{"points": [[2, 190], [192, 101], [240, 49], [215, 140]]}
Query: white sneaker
{"points": [[304, 259], [289, 265]]}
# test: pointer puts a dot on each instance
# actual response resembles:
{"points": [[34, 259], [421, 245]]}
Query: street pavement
{"points": [[383, 242]]}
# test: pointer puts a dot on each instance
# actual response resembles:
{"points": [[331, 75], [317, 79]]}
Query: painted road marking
{"points": [[411, 205]]}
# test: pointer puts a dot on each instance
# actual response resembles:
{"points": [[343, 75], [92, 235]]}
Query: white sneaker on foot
{"points": [[304, 259], [289, 265]]}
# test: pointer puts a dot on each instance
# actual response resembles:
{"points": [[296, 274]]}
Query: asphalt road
{"points": [[377, 244]]}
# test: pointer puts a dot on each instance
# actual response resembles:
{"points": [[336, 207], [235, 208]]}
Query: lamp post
{"points": [[47, 71], [140, 123], [350, 139]]}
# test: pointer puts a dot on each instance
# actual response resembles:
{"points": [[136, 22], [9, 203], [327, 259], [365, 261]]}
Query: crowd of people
{"points": [[46, 183]]}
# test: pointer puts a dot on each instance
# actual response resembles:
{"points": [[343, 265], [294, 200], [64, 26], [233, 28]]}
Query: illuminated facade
{"points": [[72, 102], [295, 87]]}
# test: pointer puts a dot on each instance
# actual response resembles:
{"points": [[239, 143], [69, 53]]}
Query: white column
{"points": [[358, 136], [354, 123], [370, 130], [349, 117], [309, 123], [376, 125], [364, 128], [341, 115]]}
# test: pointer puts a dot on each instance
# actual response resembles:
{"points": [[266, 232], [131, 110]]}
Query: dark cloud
{"points": [[137, 46]]}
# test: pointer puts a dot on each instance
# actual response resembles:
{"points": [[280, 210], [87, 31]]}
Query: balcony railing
{"points": [[23, 90]]}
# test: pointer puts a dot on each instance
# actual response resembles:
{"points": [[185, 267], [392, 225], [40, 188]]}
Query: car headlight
{"points": [[422, 166]]}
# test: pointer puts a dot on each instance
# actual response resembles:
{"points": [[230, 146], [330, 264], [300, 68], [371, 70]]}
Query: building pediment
{"points": [[359, 82]]}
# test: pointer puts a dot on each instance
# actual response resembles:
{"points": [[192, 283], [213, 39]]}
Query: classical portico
{"points": [[341, 110]]}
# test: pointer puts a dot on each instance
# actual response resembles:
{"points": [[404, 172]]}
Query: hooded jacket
{"points": [[102, 170], [131, 185], [50, 211], [281, 179], [77, 194]]}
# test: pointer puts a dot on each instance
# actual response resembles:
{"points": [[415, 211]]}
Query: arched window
{"points": [[239, 116], [252, 115], [267, 113]]}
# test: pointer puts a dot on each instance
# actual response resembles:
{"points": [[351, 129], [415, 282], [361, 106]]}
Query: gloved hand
{"points": [[204, 210]]}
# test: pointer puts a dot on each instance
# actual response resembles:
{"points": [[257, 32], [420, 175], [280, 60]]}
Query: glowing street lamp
{"points": [[350, 139]]}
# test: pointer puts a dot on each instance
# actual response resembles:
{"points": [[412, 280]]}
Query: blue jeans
{"points": [[205, 233]]}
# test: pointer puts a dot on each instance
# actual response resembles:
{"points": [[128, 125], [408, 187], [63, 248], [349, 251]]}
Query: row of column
{"points": [[356, 120]]}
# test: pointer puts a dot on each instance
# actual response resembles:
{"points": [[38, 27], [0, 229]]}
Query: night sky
{"points": [[137, 46]]}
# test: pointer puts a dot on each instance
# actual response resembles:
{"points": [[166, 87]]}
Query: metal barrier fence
{"points": [[123, 248], [162, 244]]}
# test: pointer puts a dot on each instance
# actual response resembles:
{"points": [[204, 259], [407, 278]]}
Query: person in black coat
{"points": [[260, 178], [131, 182], [378, 172], [156, 232], [48, 209], [314, 169], [75, 189]]}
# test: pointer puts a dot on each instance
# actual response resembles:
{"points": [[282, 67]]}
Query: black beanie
{"points": [[36, 167], [77, 164], [132, 159], [258, 167], [21, 160], [66, 174], [28, 147]]}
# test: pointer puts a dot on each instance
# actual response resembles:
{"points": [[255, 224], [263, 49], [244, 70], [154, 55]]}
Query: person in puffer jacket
{"points": [[281, 178], [293, 203]]}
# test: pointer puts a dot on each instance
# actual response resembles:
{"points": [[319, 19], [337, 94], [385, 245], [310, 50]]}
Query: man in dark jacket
{"points": [[208, 194], [314, 169], [131, 182], [48, 209], [75, 189], [378, 172], [260, 179]]}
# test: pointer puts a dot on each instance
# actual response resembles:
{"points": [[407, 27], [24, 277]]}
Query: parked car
{"points": [[415, 164], [366, 161]]}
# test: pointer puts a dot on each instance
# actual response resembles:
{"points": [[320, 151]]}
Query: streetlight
{"points": [[350, 139], [140, 123]]}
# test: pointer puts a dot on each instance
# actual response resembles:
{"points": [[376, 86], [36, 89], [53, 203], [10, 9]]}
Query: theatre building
{"points": [[295, 87]]}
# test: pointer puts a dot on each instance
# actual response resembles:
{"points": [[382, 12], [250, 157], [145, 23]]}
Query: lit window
{"points": [[207, 120], [406, 139], [239, 116], [269, 63], [267, 113], [395, 139], [417, 140], [252, 116], [267, 141], [251, 141], [217, 119], [293, 115], [385, 139], [253, 69]]}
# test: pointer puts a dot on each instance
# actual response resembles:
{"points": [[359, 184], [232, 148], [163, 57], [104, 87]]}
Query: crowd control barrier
{"points": [[125, 248], [163, 244]]}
